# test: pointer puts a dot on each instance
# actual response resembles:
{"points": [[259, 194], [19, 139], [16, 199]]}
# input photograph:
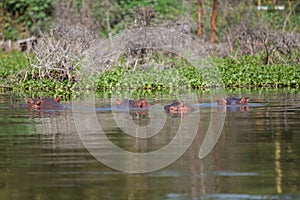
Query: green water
{"points": [[256, 156]]}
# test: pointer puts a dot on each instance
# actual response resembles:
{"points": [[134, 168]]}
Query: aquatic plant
{"points": [[176, 73]]}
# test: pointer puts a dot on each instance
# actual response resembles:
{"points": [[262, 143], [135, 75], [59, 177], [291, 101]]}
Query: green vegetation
{"points": [[263, 48], [247, 71], [14, 75], [22, 18], [281, 20], [10, 66], [115, 16]]}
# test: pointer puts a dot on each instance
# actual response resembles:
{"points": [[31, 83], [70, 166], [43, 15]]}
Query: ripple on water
{"points": [[175, 196]]}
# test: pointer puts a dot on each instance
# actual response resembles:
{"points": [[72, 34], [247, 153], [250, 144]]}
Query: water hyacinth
{"points": [[246, 71]]}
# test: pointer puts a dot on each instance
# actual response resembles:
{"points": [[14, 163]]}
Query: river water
{"points": [[256, 155]]}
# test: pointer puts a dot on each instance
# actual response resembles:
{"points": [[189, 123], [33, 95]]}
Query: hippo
{"points": [[239, 108], [125, 103], [142, 103], [178, 108], [137, 109], [44, 103], [233, 101]]}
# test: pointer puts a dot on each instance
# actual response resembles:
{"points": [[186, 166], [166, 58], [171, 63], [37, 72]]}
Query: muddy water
{"points": [[255, 157]]}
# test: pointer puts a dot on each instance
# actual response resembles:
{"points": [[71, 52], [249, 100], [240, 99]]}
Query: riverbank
{"points": [[246, 71]]}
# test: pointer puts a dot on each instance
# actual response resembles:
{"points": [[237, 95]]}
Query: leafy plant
{"points": [[114, 16], [24, 17], [246, 71]]}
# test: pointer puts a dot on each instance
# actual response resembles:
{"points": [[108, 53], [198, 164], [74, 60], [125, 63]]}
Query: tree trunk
{"points": [[213, 24], [199, 24]]}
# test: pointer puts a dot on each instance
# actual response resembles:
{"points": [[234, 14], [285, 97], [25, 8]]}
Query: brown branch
{"points": [[214, 22], [199, 21]]}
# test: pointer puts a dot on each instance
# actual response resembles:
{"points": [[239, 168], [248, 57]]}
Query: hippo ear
{"points": [[225, 101], [30, 101], [38, 102], [118, 102], [222, 101], [244, 100], [137, 103], [57, 99], [143, 103]]}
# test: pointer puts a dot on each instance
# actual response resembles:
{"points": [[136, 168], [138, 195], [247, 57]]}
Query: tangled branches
{"points": [[278, 47], [59, 52]]}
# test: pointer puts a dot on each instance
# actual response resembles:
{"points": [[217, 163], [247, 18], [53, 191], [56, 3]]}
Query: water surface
{"points": [[256, 156]]}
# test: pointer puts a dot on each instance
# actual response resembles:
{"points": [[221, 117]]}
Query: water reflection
{"points": [[256, 156]]}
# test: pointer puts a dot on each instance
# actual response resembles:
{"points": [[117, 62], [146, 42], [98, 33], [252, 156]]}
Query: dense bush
{"points": [[59, 53], [15, 75], [115, 16], [24, 17], [111, 16]]}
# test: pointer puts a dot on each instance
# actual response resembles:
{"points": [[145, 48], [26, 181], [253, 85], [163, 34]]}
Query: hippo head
{"points": [[243, 100], [57, 99], [125, 104], [233, 101], [33, 103], [142, 103], [173, 108], [45, 102], [177, 107]]}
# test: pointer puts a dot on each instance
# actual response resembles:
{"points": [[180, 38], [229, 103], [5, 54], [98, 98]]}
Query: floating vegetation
{"points": [[245, 71]]}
